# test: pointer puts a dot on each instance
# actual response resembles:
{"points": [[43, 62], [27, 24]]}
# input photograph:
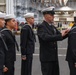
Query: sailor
{"points": [[3, 46], [9, 37]]}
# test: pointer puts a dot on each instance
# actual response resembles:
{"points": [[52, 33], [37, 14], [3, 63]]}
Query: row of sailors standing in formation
{"points": [[8, 44]]}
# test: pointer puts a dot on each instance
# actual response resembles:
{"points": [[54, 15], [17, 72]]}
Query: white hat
{"points": [[27, 15], [2, 15], [49, 10], [9, 16]]}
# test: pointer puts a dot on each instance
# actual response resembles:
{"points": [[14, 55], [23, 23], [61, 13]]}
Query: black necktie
{"points": [[34, 35], [54, 30], [15, 41]]}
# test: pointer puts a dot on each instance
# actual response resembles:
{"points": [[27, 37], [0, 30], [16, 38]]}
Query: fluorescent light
{"points": [[65, 8]]}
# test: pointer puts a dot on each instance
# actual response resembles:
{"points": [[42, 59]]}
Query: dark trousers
{"points": [[10, 67], [26, 65], [50, 68], [72, 68], [1, 71]]}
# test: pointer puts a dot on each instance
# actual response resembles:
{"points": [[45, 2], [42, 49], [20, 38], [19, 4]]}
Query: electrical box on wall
{"points": [[70, 19], [56, 19]]}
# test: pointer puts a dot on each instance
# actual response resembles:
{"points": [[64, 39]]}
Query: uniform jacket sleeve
{"points": [[42, 33], [23, 40], [73, 44], [5, 51]]}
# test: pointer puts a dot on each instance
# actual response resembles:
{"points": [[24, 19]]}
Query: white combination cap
{"points": [[9, 16], [49, 10], [27, 15], [2, 15]]}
